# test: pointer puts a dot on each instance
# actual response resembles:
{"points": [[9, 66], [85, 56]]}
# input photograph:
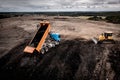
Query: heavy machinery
{"points": [[43, 39], [105, 37]]}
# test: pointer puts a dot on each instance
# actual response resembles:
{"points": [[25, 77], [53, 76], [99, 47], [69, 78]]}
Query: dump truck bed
{"points": [[38, 40]]}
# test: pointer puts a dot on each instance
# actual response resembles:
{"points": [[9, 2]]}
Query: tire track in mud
{"points": [[89, 54], [114, 59], [100, 69], [104, 69]]}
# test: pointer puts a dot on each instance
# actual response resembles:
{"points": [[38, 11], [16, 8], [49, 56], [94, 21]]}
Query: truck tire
{"points": [[57, 43], [46, 49], [42, 51]]}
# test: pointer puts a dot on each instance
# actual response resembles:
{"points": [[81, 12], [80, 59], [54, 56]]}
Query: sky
{"points": [[58, 5]]}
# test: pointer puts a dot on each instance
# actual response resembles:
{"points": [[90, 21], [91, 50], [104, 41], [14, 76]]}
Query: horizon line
{"points": [[55, 11]]}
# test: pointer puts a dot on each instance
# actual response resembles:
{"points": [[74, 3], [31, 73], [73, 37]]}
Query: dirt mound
{"points": [[114, 59], [71, 60]]}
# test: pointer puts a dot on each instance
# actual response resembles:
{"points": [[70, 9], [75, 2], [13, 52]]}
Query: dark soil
{"points": [[71, 60], [114, 59]]}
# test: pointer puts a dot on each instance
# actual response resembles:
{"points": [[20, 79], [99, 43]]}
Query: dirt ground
{"points": [[76, 58]]}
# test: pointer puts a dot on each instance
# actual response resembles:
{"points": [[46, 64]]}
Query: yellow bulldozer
{"points": [[106, 37]]}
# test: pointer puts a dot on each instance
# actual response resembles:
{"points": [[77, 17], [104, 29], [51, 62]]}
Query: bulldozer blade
{"points": [[95, 40]]}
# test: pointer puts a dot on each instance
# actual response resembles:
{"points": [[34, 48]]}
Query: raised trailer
{"points": [[43, 39]]}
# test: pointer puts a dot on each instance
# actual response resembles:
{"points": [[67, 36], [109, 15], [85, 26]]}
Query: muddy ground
{"points": [[76, 58]]}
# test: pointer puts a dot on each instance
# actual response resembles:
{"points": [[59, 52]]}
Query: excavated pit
{"points": [[71, 60]]}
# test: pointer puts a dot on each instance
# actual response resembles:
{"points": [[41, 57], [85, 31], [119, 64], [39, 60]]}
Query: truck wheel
{"points": [[46, 49], [53, 45], [50, 45], [57, 43], [42, 51]]}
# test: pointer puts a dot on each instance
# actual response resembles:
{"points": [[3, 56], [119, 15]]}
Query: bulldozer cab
{"points": [[108, 35]]}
